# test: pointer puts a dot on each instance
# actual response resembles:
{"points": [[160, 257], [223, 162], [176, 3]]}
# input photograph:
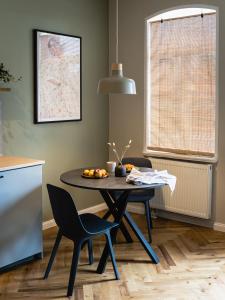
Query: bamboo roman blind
{"points": [[183, 85]]}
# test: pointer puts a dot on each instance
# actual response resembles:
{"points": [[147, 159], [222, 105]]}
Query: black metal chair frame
{"points": [[72, 226]]}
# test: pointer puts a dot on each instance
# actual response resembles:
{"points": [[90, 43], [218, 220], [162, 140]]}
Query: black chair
{"points": [[78, 228], [142, 196]]}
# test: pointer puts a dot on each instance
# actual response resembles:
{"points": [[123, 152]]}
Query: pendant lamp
{"points": [[116, 83]]}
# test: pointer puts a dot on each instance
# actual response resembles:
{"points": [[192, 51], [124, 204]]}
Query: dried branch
{"points": [[113, 146]]}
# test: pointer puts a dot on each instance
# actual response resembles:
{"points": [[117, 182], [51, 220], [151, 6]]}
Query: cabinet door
{"points": [[20, 214]]}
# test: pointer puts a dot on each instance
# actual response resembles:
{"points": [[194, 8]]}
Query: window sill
{"points": [[192, 158]]}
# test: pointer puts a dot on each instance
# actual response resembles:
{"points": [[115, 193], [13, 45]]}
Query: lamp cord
{"points": [[117, 32]]}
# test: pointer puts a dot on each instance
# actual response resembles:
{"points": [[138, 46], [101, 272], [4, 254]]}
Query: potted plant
{"points": [[120, 170], [6, 77]]}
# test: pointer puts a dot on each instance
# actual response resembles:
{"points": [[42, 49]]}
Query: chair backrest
{"points": [[138, 162], [142, 163], [65, 212]]}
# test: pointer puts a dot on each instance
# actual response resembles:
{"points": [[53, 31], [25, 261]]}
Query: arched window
{"points": [[181, 83]]}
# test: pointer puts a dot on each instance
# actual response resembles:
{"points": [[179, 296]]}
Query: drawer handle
{"points": [[1, 177]]}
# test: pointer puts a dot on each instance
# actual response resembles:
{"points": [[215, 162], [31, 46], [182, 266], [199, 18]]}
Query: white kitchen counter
{"points": [[20, 210]]}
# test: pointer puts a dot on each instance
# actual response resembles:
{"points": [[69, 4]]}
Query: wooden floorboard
{"points": [[192, 266]]}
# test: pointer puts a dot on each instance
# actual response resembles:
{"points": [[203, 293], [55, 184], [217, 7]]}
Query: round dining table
{"points": [[117, 205]]}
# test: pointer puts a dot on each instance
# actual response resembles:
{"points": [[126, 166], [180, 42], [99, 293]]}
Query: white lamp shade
{"points": [[116, 83]]}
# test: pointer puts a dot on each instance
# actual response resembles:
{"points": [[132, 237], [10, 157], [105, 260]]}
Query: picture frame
{"points": [[57, 77]]}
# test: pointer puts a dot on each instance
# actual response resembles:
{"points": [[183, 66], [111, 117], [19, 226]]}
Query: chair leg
{"points": [[52, 257], [106, 215], [148, 218], [111, 253], [150, 212], [90, 252], [73, 269]]}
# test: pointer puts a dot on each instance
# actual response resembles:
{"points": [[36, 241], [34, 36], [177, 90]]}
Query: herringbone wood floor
{"points": [[192, 266]]}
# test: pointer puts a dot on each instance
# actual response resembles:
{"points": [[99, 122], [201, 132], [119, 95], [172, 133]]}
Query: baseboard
{"points": [[185, 219], [139, 209], [93, 209], [219, 227], [48, 224]]}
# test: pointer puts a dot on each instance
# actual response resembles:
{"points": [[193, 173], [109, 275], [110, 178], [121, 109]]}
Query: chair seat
{"points": [[137, 196], [96, 225]]}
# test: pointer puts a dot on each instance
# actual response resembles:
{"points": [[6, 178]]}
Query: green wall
{"points": [[131, 53], [63, 146]]}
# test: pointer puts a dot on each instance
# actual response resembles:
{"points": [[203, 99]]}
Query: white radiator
{"points": [[193, 192]]}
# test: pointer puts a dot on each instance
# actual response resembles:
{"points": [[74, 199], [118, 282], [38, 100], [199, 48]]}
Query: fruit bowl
{"points": [[95, 174]]}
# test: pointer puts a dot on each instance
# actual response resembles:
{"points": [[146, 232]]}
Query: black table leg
{"points": [[141, 238], [123, 228], [118, 215], [125, 233], [110, 201], [107, 215]]}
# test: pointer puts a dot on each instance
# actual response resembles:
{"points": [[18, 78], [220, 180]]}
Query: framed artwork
{"points": [[57, 74]]}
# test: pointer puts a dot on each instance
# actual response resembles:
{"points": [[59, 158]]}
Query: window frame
{"points": [[147, 93]]}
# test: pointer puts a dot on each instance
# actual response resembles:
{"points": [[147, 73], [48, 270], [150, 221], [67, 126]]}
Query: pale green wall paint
{"points": [[63, 146], [127, 112]]}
